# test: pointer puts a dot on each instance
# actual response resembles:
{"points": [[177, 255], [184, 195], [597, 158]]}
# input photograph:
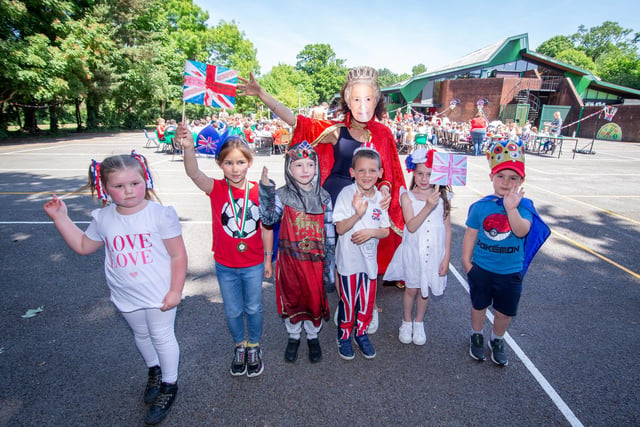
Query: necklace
{"points": [[241, 246]]}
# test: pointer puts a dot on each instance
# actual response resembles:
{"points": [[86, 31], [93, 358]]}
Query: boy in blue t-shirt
{"points": [[503, 233]]}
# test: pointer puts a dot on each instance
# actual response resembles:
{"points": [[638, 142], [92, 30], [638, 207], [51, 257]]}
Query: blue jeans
{"points": [[477, 136], [241, 290]]}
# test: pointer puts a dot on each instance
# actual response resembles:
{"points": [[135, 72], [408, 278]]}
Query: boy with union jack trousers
{"points": [[360, 223]]}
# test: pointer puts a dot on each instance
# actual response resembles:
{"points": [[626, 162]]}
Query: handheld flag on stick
{"points": [[208, 84], [448, 169]]}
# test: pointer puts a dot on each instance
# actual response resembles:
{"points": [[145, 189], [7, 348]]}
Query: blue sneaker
{"points": [[345, 349], [365, 346]]}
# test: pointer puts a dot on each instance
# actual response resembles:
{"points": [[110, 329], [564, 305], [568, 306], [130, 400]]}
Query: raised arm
{"points": [[72, 235], [199, 178], [252, 88]]}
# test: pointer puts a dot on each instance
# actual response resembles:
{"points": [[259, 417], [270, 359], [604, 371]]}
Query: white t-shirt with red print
{"points": [[137, 265]]}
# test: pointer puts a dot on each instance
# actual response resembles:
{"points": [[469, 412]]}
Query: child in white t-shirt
{"points": [[145, 265], [360, 223]]}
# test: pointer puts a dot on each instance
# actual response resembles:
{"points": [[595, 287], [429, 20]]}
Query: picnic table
{"points": [[537, 141]]}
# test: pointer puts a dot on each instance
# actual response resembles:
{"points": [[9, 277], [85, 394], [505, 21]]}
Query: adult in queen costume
{"points": [[335, 141]]}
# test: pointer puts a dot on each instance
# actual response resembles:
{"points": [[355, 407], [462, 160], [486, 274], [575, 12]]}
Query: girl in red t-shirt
{"points": [[238, 250]]}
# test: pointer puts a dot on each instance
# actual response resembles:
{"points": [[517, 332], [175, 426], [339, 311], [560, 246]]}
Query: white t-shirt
{"points": [[137, 265], [352, 258]]}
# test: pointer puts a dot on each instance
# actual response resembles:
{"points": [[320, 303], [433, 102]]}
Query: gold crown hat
{"points": [[506, 155], [362, 72]]}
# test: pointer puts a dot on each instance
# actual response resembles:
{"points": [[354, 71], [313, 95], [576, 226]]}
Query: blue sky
{"points": [[410, 32]]}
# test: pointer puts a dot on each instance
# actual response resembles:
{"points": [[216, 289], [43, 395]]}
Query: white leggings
{"points": [[156, 340], [295, 329]]}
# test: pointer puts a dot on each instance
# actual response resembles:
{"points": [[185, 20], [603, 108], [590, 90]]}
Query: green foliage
{"points": [[555, 45], [608, 50], [327, 72], [577, 58], [293, 87], [388, 78], [418, 69], [604, 38]]}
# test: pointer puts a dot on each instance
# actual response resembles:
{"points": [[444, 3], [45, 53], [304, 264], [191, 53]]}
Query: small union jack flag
{"points": [[209, 85], [448, 169], [376, 214]]}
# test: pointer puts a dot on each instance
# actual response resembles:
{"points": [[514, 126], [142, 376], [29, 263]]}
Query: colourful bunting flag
{"points": [[208, 84]]}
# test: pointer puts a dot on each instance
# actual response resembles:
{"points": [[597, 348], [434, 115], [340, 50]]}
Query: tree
{"points": [[418, 69], [578, 58], [555, 45], [290, 86], [327, 72], [601, 39], [230, 49], [608, 50], [388, 78], [621, 68]]}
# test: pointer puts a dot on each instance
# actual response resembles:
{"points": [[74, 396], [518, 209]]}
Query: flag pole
{"points": [[183, 106]]}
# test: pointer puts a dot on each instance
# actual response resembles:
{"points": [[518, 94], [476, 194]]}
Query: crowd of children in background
{"points": [[411, 131]]}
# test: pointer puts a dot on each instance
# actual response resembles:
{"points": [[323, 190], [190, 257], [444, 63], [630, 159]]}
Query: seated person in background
{"points": [[172, 126], [160, 129]]}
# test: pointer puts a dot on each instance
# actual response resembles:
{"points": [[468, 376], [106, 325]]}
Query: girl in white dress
{"points": [[422, 259]]}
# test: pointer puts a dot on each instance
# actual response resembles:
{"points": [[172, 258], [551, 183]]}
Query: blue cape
{"points": [[538, 233]]}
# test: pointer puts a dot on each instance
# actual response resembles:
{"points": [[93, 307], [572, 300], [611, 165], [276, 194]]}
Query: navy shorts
{"points": [[500, 290]]}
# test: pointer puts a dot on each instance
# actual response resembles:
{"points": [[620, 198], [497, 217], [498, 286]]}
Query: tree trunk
{"points": [[78, 102], [53, 118], [92, 113], [30, 120]]}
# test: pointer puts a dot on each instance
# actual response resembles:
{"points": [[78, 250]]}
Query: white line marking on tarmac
{"points": [[548, 388]]}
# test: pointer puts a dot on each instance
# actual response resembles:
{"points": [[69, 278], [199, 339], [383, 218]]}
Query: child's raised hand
{"points": [[512, 198], [359, 204], [433, 198], [184, 136], [248, 87], [264, 180], [55, 208]]}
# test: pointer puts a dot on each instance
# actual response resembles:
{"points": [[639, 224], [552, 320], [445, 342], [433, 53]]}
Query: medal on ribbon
{"points": [[241, 246]]}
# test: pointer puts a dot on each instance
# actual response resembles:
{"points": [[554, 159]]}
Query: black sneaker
{"points": [[291, 352], [315, 353], [476, 347], [239, 363], [161, 406], [153, 384], [498, 352], [254, 361]]}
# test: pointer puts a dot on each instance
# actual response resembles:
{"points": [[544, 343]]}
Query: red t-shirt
{"points": [[247, 135], [478, 123], [225, 229]]}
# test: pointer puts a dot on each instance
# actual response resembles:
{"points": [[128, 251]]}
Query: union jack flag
{"points": [[376, 214], [448, 169], [209, 85]]}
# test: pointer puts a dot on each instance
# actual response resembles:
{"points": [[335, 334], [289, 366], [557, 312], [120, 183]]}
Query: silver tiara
{"points": [[362, 73]]}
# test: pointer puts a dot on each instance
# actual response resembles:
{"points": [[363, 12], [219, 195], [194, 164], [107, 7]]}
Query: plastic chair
{"points": [[163, 144], [152, 141], [420, 139]]}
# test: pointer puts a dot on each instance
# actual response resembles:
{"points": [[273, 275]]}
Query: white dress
{"points": [[418, 258]]}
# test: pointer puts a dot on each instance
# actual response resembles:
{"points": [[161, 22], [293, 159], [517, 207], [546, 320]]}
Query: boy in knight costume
{"points": [[306, 246]]}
